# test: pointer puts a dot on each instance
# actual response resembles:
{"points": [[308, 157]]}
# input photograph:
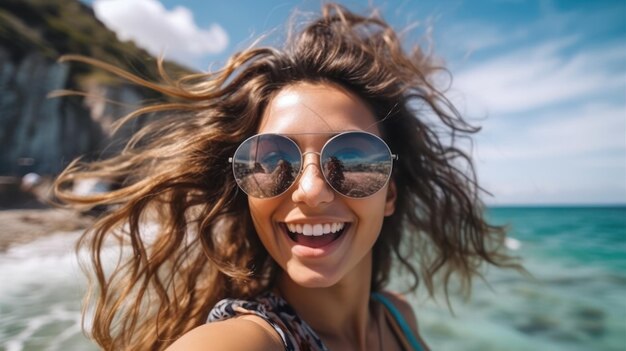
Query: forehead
{"points": [[317, 108]]}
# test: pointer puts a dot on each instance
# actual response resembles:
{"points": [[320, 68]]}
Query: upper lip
{"points": [[317, 220]]}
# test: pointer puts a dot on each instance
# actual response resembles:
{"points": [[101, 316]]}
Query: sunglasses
{"points": [[354, 164]]}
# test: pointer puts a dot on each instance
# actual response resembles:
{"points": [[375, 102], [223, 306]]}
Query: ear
{"points": [[390, 201]]}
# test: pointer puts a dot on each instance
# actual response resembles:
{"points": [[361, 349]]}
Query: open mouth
{"points": [[315, 235]]}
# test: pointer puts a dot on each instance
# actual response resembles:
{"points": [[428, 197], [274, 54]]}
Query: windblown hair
{"points": [[175, 172]]}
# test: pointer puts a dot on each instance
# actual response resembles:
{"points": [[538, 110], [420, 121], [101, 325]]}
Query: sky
{"points": [[546, 80]]}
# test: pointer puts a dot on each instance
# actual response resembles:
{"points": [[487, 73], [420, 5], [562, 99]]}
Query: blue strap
{"points": [[401, 321]]}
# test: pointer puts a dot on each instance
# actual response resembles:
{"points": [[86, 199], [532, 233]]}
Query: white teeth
{"points": [[307, 229], [315, 229]]}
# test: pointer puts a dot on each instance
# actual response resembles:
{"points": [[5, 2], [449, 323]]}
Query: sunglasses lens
{"points": [[356, 164], [266, 165]]}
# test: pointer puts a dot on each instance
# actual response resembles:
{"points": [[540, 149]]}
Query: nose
{"points": [[312, 188]]}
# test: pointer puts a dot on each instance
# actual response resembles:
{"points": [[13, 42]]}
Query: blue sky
{"points": [[545, 79]]}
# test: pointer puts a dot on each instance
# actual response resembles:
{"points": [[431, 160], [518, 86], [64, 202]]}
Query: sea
{"points": [[573, 296]]}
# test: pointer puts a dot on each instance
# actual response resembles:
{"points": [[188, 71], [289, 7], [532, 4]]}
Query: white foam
{"points": [[56, 314], [512, 244], [42, 285], [50, 259]]}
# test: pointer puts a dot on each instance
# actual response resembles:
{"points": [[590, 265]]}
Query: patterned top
{"points": [[293, 331]]}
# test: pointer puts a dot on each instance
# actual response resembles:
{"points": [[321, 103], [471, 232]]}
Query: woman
{"points": [[284, 188]]}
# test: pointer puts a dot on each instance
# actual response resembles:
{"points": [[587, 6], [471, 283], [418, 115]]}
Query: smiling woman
{"points": [[285, 188]]}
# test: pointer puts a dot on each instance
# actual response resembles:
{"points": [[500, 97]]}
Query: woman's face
{"points": [[310, 114]]}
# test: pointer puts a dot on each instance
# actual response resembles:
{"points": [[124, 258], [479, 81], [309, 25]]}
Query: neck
{"points": [[340, 313]]}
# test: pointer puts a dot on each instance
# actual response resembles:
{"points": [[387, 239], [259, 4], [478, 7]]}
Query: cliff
{"points": [[40, 134]]}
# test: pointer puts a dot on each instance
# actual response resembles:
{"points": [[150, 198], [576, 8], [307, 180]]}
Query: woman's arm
{"points": [[249, 333]]}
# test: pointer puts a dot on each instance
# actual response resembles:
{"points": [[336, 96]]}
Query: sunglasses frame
{"points": [[392, 157]]}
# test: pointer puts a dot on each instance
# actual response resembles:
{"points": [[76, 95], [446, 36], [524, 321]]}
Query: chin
{"points": [[308, 278]]}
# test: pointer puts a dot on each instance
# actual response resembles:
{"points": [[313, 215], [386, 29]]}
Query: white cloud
{"points": [[555, 130], [539, 76], [172, 33], [563, 158], [565, 133], [565, 155]]}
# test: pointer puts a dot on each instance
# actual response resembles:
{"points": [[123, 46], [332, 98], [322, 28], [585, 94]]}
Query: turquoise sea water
{"points": [[575, 300], [593, 236]]}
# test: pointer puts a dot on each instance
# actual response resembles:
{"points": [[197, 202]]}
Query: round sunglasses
{"points": [[355, 164]]}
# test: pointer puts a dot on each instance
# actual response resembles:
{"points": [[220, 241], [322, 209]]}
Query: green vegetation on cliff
{"points": [[56, 27]]}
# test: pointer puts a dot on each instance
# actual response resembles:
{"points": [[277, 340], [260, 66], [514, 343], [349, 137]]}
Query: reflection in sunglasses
{"points": [[261, 181], [355, 164]]}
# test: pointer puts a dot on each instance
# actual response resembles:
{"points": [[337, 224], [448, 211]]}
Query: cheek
{"points": [[258, 213], [262, 211], [254, 207], [371, 211]]}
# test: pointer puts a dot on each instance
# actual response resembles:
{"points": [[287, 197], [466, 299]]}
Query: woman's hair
{"points": [[184, 228]]}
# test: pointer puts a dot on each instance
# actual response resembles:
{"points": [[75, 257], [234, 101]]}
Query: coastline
{"points": [[22, 226], [27, 212]]}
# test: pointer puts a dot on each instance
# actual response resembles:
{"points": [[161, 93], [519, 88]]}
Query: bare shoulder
{"points": [[404, 307], [243, 333]]}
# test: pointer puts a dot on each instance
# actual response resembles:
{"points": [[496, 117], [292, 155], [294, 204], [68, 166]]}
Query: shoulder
{"points": [[404, 307], [242, 333]]}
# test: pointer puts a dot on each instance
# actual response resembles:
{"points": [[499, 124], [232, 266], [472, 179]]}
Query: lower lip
{"points": [[315, 252]]}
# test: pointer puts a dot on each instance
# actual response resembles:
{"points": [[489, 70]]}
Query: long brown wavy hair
{"points": [[202, 246]]}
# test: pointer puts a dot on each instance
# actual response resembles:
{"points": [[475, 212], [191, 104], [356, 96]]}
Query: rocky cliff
{"points": [[41, 134]]}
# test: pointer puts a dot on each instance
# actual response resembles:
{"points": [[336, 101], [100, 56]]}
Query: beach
{"points": [[21, 226]]}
